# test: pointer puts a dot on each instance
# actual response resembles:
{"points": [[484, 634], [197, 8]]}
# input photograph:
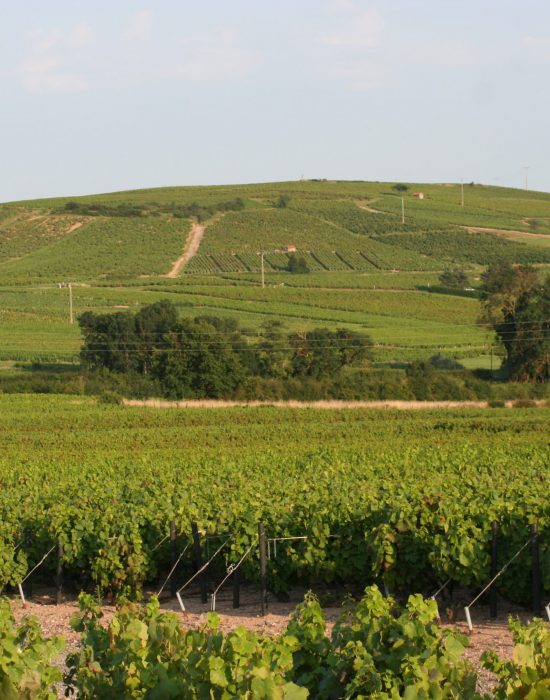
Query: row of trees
{"points": [[208, 356]]}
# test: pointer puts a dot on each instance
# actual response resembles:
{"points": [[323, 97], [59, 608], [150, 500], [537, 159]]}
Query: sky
{"points": [[98, 96]]}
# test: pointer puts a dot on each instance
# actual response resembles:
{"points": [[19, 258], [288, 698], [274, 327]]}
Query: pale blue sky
{"points": [[105, 95]]}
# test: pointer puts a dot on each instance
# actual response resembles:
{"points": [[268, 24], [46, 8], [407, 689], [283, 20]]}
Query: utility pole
{"points": [[526, 168], [263, 271], [402, 210], [462, 193], [70, 303]]}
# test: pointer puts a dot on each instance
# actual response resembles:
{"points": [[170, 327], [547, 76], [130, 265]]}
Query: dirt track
{"points": [[327, 405], [506, 232], [216, 403], [192, 244]]}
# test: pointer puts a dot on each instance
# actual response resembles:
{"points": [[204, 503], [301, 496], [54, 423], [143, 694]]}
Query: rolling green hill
{"points": [[369, 270]]}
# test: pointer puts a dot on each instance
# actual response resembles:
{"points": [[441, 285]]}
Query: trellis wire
{"points": [[478, 596], [174, 568], [274, 540], [203, 568], [230, 570], [159, 543], [20, 585]]}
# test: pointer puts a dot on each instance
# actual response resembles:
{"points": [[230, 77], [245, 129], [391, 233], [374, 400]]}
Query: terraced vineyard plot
{"points": [[368, 279], [268, 230], [330, 260], [22, 233], [246, 233], [228, 262], [490, 207], [104, 248], [466, 246], [355, 260]]}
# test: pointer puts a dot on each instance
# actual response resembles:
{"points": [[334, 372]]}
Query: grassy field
{"points": [[369, 271]]}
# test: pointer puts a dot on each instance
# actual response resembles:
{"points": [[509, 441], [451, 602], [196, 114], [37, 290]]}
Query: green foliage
{"points": [[323, 353], [26, 671], [456, 279], [283, 201], [375, 651], [527, 675], [385, 653], [209, 356], [405, 496], [110, 398], [297, 264], [127, 209], [147, 654], [518, 306]]}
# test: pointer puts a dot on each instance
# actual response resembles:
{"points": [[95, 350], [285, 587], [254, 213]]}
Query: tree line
{"points": [[208, 356], [131, 209]]}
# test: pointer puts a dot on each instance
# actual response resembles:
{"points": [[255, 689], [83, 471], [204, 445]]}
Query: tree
{"points": [[152, 324], [456, 279], [322, 353], [528, 342], [517, 305], [272, 351], [202, 357], [400, 187], [297, 265], [110, 341], [283, 201]]}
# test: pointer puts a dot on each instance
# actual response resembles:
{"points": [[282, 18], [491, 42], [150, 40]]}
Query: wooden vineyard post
{"points": [[59, 574], [535, 560], [173, 558], [198, 561], [263, 567], [494, 552], [237, 588]]}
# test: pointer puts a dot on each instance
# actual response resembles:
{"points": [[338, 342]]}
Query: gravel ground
{"points": [[54, 620]]}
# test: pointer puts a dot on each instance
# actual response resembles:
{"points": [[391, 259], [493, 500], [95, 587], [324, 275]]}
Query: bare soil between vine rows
{"points": [[55, 620]]}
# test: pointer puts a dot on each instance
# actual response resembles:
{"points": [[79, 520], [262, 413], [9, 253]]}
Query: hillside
{"points": [[368, 270]]}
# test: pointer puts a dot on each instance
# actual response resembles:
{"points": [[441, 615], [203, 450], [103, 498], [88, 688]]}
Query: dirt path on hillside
{"points": [[505, 232], [75, 227], [215, 403], [192, 244], [364, 207]]}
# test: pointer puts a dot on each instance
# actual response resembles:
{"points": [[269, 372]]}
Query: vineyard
{"points": [[130, 499], [403, 500], [117, 249]]}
